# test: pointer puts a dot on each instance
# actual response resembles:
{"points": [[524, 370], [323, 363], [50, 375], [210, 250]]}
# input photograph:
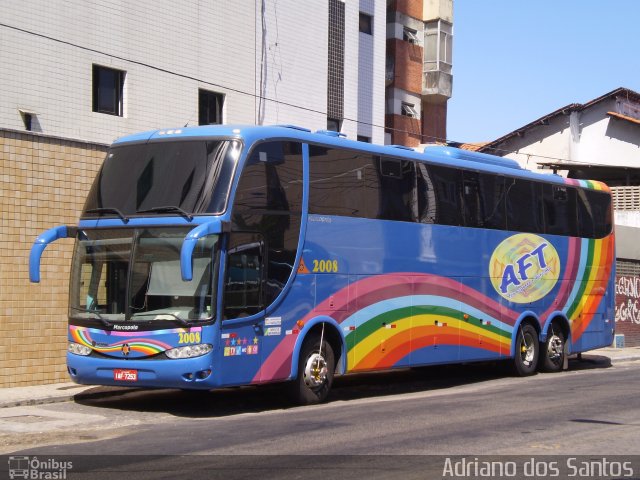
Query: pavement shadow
{"points": [[255, 399]]}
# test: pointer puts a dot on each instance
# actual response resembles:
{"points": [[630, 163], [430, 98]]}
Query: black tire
{"points": [[525, 361], [553, 351], [315, 373]]}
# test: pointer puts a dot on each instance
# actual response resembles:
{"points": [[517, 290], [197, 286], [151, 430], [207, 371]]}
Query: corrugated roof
{"points": [[572, 107]]}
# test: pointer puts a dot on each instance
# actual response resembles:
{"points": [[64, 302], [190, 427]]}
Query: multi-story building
{"points": [[76, 74], [418, 70]]}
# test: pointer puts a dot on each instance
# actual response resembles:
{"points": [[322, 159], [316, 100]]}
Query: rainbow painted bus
{"points": [[218, 256]]}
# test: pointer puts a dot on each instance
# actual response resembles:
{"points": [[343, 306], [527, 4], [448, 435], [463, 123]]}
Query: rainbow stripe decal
{"points": [[99, 340], [386, 318], [392, 319]]}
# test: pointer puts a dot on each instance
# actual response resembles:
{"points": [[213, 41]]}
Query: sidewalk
{"points": [[65, 392]]}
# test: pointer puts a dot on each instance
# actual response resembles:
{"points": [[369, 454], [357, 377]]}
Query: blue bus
{"points": [[219, 256]]}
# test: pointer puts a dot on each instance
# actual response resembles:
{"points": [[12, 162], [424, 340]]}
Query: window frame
{"points": [[117, 88], [218, 98], [365, 23]]}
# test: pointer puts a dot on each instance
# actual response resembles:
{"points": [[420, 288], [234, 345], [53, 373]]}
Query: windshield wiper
{"points": [[169, 208], [182, 321], [103, 320], [122, 216]]}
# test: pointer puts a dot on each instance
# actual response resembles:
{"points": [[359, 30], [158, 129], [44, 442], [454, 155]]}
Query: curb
{"points": [[57, 393]]}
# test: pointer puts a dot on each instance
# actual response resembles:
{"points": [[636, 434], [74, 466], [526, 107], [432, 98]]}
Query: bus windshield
{"points": [[134, 275], [189, 176]]}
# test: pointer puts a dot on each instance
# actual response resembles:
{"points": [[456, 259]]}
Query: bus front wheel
{"points": [[527, 349], [316, 367]]}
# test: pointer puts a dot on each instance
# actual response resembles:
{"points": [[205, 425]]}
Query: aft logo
{"points": [[524, 268]]}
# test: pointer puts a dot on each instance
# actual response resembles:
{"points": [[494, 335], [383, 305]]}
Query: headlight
{"points": [[189, 351], [78, 349]]}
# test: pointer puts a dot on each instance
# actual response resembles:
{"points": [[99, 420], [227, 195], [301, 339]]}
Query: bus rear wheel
{"points": [[316, 367], [552, 358], [527, 348]]}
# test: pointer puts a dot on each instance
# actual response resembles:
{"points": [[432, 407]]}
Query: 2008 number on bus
{"points": [[325, 266]]}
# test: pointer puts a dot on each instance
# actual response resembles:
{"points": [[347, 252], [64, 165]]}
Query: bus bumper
{"points": [[190, 373]]}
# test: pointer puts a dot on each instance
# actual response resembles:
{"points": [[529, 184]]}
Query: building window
{"points": [[108, 85], [362, 138], [28, 118], [438, 44], [409, 110], [210, 107], [410, 35], [334, 124], [366, 23]]}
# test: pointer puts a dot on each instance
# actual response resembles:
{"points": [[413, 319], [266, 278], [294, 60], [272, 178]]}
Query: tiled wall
{"points": [[43, 183]]}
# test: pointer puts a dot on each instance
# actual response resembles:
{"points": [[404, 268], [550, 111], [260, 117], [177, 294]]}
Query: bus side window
{"points": [[560, 210], [426, 195], [524, 206], [473, 215], [600, 204], [492, 197], [268, 200], [342, 182], [243, 284], [447, 182], [395, 190]]}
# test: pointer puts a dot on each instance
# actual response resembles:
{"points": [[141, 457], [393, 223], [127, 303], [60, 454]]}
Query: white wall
{"points": [[170, 49], [600, 140], [364, 72]]}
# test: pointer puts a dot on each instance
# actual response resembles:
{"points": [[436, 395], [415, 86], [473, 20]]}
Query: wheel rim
{"points": [[527, 350], [315, 371], [555, 349]]}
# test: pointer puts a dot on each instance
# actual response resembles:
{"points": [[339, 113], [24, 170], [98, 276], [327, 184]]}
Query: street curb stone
{"points": [[66, 392]]}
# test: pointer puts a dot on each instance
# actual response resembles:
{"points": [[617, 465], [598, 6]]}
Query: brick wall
{"points": [[413, 8], [408, 65], [404, 130], [43, 183], [434, 121]]}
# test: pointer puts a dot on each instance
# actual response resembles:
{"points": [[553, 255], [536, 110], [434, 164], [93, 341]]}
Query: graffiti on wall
{"points": [[628, 299]]}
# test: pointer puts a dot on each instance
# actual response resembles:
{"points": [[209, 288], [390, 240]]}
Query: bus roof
{"points": [[442, 155]]}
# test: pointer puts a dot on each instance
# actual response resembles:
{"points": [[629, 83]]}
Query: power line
{"points": [[242, 92]]}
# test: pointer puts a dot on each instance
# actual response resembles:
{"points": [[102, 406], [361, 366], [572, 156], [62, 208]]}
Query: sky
{"points": [[515, 61]]}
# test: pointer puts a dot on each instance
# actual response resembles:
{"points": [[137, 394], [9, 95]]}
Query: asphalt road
{"points": [[456, 410]]}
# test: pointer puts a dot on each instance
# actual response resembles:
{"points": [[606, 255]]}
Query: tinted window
{"points": [[473, 210], [524, 206], [271, 179], [560, 210], [192, 175], [447, 184], [269, 201], [426, 195], [396, 190], [244, 276], [594, 213], [492, 196], [342, 182]]}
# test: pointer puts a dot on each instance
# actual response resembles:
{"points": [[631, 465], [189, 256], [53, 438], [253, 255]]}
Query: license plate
{"points": [[125, 375]]}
